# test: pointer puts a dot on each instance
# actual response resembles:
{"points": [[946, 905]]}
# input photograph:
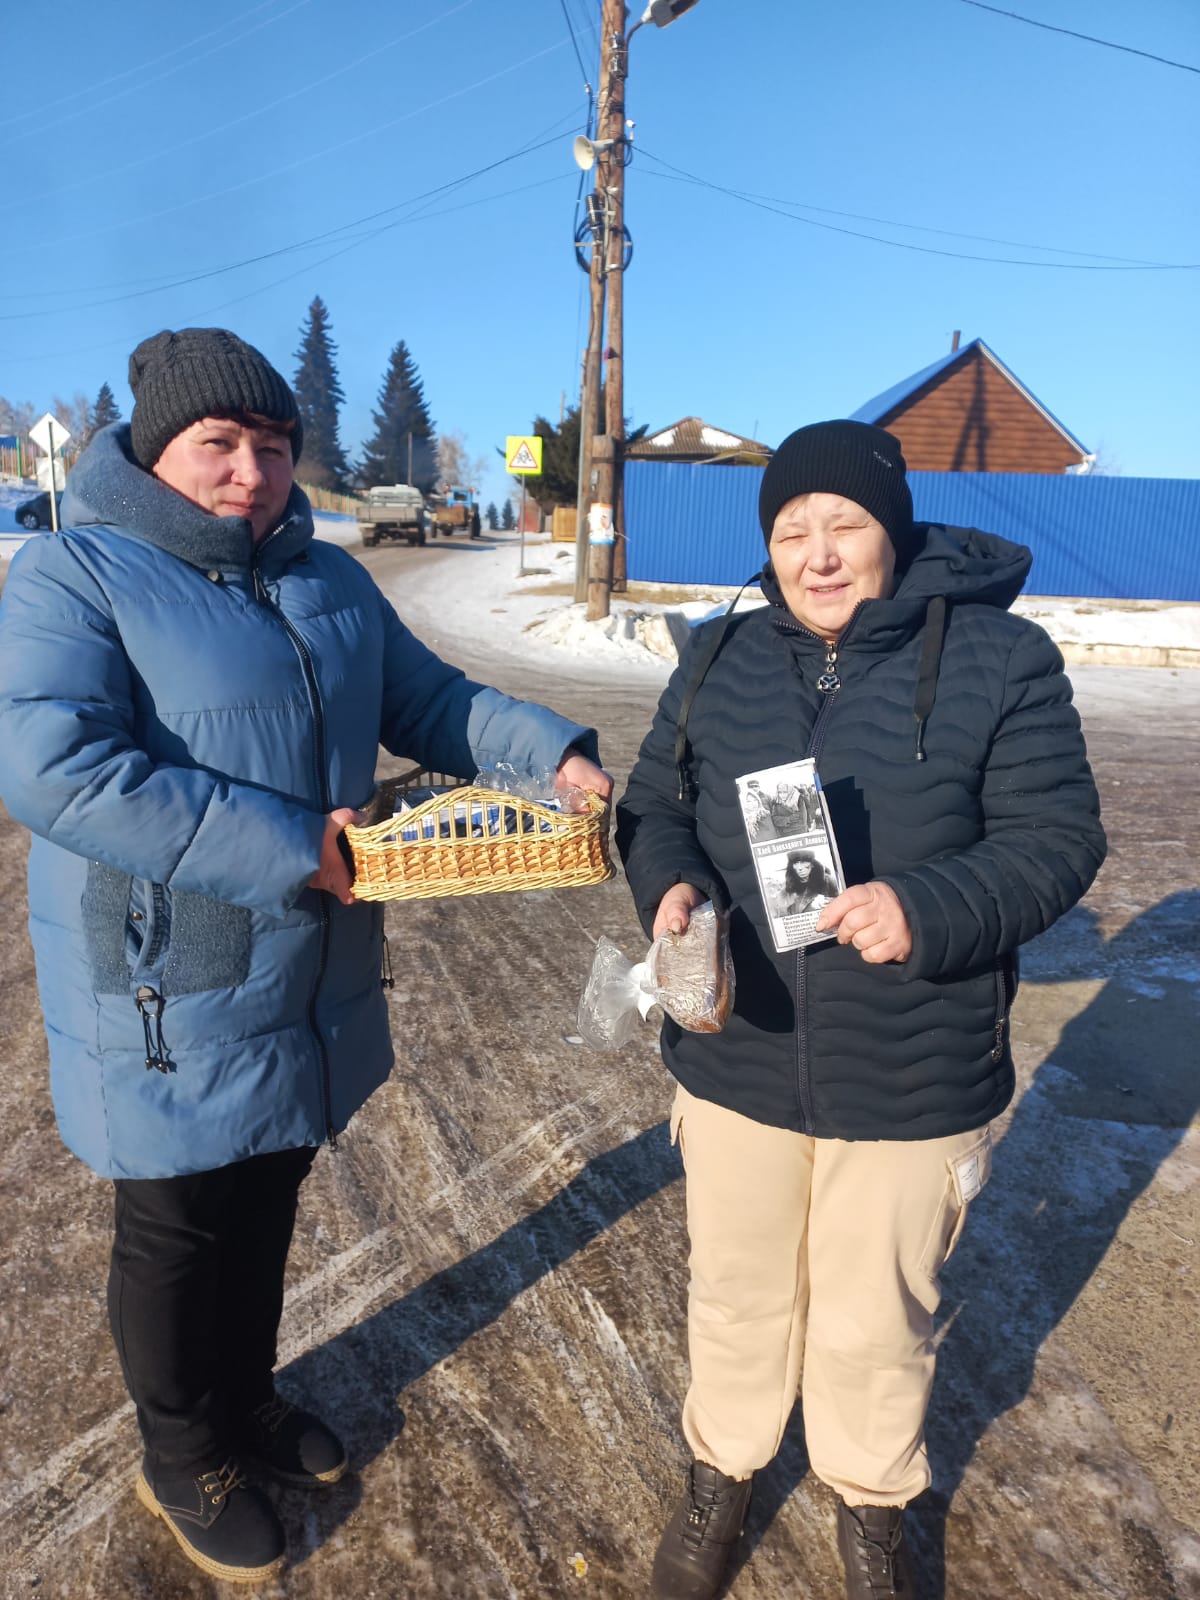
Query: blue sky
{"points": [[145, 144]]}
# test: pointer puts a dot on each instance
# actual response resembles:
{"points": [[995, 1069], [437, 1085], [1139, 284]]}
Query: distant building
{"points": [[969, 413], [691, 439]]}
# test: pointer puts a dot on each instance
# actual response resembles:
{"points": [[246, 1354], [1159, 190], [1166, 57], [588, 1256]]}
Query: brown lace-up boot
{"points": [[699, 1539], [872, 1546]]}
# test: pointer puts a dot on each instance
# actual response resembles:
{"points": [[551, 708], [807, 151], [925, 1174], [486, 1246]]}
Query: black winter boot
{"points": [[292, 1444], [699, 1539], [872, 1546], [227, 1528]]}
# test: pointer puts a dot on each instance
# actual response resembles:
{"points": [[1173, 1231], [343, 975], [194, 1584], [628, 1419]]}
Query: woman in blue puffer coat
{"points": [[836, 1131], [192, 694]]}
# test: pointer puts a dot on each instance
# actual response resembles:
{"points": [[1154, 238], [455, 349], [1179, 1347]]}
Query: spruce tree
{"points": [[492, 516], [401, 411], [319, 395], [508, 517], [103, 412]]}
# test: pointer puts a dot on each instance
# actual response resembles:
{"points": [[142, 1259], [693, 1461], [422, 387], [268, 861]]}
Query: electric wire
{"points": [[137, 88], [282, 250], [919, 227], [903, 244], [91, 179], [1090, 38], [43, 106], [575, 43], [42, 243]]}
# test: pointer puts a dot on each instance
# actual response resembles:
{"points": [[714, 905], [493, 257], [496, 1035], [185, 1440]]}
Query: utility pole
{"points": [[609, 246], [614, 268], [601, 478], [589, 406]]}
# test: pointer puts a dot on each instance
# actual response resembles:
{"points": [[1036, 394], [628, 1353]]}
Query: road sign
{"points": [[49, 434], [523, 453]]}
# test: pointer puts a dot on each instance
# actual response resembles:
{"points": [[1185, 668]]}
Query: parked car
{"points": [[35, 512]]}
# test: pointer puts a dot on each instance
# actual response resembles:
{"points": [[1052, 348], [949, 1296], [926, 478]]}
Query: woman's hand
{"points": [[333, 875], [675, 909], [870, 917], [575, 771]]}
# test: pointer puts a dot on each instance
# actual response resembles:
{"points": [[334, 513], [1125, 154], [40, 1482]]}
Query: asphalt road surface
{"points": [[487, 1289]]}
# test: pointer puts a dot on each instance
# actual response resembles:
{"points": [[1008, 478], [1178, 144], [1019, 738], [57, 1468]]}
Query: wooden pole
{"points": [[614, 103], [600, 536], [589, 412]]}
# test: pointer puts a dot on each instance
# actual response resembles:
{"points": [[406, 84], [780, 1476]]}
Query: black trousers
{"points": [[195, 1293]]}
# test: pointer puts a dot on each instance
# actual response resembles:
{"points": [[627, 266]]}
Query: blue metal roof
{"points": [[883, 403], [899, 392]]}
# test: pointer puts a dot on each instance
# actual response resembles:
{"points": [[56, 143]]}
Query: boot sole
{"points": [[215, 1569], [299, 1480]]}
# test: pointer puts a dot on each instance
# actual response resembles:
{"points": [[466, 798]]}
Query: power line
{"points": [[283, 250], [43, 106], [136, 88], [1090, 38], [575, 45], [915, 227], [503, 194], [166, 280], [159, 151], [262, 177], [922, 249]]}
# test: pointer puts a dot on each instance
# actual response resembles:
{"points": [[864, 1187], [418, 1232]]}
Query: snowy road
{"points": [[489, 1277]]}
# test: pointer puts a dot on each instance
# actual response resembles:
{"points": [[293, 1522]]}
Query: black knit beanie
{"points": [[853, 459], [177, 378]]}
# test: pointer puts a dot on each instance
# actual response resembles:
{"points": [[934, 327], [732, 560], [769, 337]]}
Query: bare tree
{"points": [[455, 464], [16, 416], [1105, 463], [75, 415]]}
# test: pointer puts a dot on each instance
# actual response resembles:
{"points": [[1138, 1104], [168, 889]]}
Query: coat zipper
{"points": [[829, 684], [314, 695], [808, 1118], [1004, 998]]}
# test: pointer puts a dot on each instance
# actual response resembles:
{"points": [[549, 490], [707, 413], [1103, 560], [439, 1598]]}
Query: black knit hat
{"points": [[853, 459], [177, 378]]}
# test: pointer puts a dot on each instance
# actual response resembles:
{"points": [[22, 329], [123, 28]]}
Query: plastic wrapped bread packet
{"points": [[689, 974]]}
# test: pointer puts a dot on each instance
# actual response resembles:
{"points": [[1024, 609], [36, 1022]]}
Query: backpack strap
{"points": [[699, 671]]}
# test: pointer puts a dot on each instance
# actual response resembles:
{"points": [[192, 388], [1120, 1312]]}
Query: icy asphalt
{"points": [[488, 1286]]}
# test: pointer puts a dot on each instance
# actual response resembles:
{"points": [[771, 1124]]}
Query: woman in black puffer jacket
{"points": [[836, 1130]]}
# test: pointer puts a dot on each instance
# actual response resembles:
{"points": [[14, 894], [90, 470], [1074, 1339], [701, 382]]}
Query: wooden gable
{"points": [[973, 416]]}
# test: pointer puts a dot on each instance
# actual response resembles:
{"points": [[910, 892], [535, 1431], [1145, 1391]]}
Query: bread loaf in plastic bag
{"points": [[689, 974]]}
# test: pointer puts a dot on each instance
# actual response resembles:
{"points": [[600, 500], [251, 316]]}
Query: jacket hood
{"points": [[108, 486], [963, 564]]}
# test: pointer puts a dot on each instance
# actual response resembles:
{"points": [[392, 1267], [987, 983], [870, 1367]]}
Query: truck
{"points": [[392, 511], [452, 509]]}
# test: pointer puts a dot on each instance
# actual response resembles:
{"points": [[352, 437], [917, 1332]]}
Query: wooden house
{"points": [[969, 413], [692, 439]]}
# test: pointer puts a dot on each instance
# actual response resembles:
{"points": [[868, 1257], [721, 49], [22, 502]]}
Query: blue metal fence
{"points": [[1107, 538]]}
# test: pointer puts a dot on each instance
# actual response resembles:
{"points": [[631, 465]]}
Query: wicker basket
{"points": [[475, 841]]}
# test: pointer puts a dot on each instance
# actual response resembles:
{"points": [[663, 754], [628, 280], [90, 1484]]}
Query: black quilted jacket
{"points": [[955, 770]]}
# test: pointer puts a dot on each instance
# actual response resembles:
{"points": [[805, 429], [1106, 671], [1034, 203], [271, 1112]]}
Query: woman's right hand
{"points": [[675, 909], [333, 875]]}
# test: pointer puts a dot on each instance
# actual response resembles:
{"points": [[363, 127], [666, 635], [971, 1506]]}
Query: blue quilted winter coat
{"points": [[179, 710], [954, 768]]}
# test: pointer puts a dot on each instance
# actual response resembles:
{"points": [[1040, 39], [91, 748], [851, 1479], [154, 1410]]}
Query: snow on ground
{"points": [[537, 618]]}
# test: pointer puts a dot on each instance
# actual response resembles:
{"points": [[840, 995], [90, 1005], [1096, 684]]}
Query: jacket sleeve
{"points": [[436, 715], [1042, 844], [656, 829], [73, 773]]}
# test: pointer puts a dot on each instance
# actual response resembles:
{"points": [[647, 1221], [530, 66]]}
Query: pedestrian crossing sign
{"points": [[523, 453]]}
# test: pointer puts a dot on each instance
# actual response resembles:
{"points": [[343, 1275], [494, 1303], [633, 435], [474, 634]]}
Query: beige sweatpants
{"points": [[818, 1256]]}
